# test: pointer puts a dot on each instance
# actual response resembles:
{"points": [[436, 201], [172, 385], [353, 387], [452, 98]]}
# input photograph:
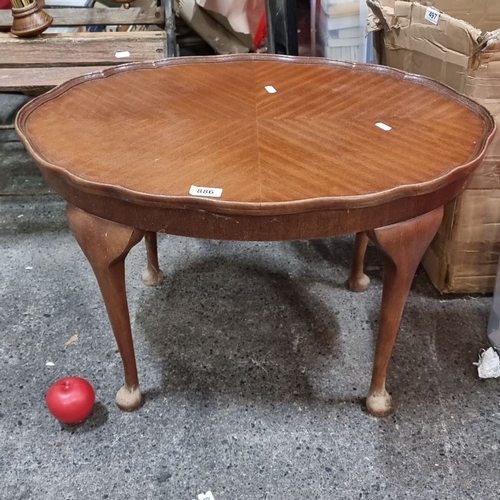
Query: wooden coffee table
{"points": [[255, 148]]}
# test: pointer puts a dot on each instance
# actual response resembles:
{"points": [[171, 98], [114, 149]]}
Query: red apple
{"points": [[70, 400]]}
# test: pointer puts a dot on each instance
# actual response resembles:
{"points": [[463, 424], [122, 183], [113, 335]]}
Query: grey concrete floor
{"points": [[254, 360]]}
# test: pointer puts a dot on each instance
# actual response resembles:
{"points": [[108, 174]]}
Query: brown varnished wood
{"points": [[106, 244], [152, 275], [358, 281], [29, 21], [402, 246], [124, 146], [254, 227], [209, 122]]}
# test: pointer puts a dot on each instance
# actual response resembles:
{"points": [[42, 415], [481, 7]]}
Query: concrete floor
{"points": [[254, 360]]}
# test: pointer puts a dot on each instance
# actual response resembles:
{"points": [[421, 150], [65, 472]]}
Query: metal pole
{"points": [[292, 42], [170, 41], [281, 18], [271, 9]]}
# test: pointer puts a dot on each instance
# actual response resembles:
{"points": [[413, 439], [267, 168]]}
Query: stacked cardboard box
{"points": [[458, 43], [342, 28]]}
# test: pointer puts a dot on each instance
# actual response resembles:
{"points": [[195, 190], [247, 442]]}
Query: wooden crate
{"points": [[40, 63]]}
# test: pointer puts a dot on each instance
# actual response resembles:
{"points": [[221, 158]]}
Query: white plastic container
{"points": [[341, 28]]}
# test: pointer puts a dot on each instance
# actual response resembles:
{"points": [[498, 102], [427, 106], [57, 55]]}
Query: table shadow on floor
{"points": [[220, 327]]}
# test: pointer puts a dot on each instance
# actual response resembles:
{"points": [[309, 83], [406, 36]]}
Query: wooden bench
{"points": [[40, 63]]}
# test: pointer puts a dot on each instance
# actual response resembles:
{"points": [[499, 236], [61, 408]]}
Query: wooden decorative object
{"points": [[302, 148], [29, 21]]}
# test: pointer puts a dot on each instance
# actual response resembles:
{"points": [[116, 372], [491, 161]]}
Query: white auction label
{"points": [[432, 15], [383, 126], [205, 191], [124, 53]]}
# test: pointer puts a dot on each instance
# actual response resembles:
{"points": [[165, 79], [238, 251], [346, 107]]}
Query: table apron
{"points": [[249, 227]]}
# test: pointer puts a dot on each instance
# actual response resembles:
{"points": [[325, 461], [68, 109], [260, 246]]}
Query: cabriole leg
{"points": [[358, 281], [402, 246], [152, 275], [106, 244]]}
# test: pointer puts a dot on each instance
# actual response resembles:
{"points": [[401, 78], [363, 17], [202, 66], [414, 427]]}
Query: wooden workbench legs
{"points": [[402, 246], [106, 244]]}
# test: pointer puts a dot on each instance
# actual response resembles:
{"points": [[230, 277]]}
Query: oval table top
{"points": [[277, 134]]}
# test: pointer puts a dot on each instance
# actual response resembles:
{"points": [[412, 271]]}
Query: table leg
{"points": [[402, 246], [152, 276], [106, 244], [358, 281]]}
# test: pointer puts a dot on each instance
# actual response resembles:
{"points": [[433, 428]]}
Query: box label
{"points": [[205, 191], [432, 15]]}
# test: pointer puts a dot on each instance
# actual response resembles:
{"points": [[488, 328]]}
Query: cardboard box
{"points": [[438, 40]]}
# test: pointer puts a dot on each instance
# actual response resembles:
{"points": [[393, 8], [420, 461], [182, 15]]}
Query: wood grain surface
{"points": [[91, 49], [92, 17], [28, 79], [145, 133]]}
